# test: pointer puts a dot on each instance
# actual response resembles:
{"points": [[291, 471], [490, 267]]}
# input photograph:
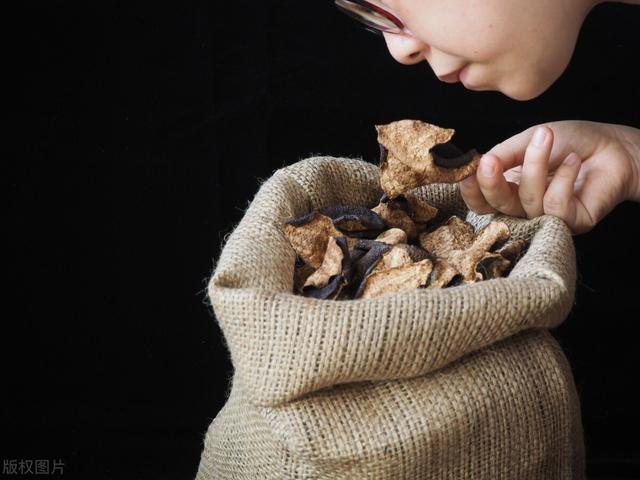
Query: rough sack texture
{"points": [[456, 383]]}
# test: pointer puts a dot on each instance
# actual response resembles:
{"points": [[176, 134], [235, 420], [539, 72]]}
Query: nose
{"points": [[406, 48]]}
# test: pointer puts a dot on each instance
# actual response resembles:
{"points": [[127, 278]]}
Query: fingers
{"points": [[559, 199], [533, 178], [499, 193], [473, 197]]}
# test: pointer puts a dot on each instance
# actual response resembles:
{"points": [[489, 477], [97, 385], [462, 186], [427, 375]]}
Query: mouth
{"points": [[451, 77], [462, 75]]}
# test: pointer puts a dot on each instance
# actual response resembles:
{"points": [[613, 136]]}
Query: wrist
{"points": [[630, 139]]}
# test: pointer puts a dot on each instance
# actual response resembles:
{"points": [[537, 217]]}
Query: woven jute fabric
{"points": [[456, 383]]}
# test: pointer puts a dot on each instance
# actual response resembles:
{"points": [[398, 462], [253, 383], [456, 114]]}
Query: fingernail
{"points": [[539, 137], [571, 159], [487, 167]]}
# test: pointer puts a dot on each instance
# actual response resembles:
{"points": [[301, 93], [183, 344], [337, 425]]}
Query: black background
{"points": [[146, 130]]}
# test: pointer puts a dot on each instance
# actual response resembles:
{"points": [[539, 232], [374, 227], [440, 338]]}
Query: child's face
{"points": [[519, 47]]}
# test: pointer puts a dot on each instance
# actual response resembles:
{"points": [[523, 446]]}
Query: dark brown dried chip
{"points": [[390, 280], [366, 264], [447, 155], [512, 250], [355, 221], [308, 236], [300, 275], [492, 265]]}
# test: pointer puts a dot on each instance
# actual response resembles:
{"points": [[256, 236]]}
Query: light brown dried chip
{"points": [[395, 217], [419, 210], [415, 252], [331, 265], [396, 257], [308, 236], [466, 261], [393, 236], [493, 233], [456, 234], [414, 275], [442, 275], [407, 163]]}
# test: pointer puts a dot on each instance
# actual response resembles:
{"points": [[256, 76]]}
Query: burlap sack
{"points": [[457, 383]]}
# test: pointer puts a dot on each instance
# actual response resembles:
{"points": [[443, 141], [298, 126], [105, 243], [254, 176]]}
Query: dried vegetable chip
{"points": [[456, 234], [300, 275], [413, 275], [492, 265], [465, 258], [309, 236], [363, 267], [511, 250], [327, 281], [393, 236], [406, 161], [396, 257], [395, 217], [355, 221]]}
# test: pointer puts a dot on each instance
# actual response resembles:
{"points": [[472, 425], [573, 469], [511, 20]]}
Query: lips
{"points": [[452, 77], [449, 77]]}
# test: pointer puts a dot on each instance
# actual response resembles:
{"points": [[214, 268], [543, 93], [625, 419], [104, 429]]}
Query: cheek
{"points": [[532, 66]]}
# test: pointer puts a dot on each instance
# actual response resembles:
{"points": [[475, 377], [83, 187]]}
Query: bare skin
{"points": [[581, 170]]}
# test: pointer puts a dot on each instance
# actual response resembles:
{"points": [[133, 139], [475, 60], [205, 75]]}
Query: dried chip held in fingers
{"points": [[447, 155], [355, 221], [327, 281], [413, 275], [308, 236], [406, 161], [456, 234]]}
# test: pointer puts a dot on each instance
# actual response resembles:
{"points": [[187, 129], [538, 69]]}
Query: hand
{"points": [[576, 170]]}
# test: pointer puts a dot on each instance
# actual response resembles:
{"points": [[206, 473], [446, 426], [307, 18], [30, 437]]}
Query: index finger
{"points": [[511, 151]]}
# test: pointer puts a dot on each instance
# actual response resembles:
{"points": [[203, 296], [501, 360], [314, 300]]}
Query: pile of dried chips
{"points": [[348, 252]]}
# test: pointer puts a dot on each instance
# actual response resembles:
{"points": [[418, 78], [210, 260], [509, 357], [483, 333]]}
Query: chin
{"points": [[524, 92], [527, 89]]}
